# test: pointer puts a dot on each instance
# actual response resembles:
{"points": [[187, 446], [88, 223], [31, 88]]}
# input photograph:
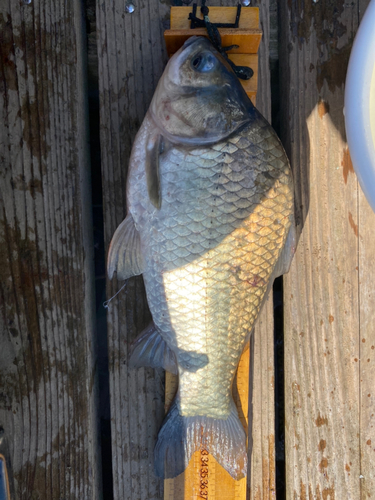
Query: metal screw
{"points": [[129, 8], [246, 3]]}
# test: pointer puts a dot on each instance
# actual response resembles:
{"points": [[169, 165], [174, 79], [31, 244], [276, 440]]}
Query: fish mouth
{"points": [[197, 43]]}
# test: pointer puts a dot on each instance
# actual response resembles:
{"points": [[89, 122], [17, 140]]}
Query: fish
{"points": [[209, 225]]}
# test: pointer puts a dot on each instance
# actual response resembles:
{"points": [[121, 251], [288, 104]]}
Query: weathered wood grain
{"points": [[132, 57], [366, 340], [47, 375], [249, 18], [261, 480], [247, 41], [327, 298]]}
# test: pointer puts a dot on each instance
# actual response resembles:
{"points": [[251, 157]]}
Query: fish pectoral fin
{"points": [[150, 349], [286, 256], [124, 255], [154, 148]]}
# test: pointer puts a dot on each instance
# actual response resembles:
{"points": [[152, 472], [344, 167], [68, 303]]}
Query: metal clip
{"points": [[199, 23]]}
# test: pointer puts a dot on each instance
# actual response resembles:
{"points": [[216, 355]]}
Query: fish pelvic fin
{"points": [[181, 436], [150, 349], [124, 255]]}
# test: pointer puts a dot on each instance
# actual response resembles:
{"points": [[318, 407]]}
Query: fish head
{"points": [[199, 99]]}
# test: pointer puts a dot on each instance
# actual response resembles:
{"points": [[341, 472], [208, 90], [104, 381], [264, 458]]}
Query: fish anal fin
{"points": [[154, 148], [124, 255], [150, 349]]}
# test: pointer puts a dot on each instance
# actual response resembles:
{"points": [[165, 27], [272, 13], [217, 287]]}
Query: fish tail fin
{"points": [[181, 436]]}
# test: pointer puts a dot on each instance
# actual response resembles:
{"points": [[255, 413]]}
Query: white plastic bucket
{"points": [[360, 104]]}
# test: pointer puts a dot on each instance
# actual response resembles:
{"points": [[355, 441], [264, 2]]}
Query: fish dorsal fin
{"points": [[124, 255], [287, 253], [154, 148]]}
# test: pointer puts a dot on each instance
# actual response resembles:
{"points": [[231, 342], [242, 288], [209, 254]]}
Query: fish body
{"points": [[210, 207]]}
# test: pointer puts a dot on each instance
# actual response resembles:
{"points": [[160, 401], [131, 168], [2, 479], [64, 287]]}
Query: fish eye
{"points": [[197, 62], [203, 62]]}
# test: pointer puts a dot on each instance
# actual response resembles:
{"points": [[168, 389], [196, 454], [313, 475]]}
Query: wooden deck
{"points": [[49, 398], [48, 390], [328, 294]]}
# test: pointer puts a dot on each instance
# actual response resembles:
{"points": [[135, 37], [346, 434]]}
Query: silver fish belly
{"points": [[208, 249]]}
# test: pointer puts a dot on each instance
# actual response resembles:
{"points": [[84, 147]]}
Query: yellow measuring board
{"points": [[247, 36], [204, 478]]}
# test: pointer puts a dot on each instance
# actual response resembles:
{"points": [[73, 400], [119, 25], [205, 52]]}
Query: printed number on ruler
{"points": [[203, 491]]}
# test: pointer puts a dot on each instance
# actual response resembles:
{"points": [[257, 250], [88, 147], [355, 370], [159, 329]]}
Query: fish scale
{"points": [[210, 204], [233, 241]]}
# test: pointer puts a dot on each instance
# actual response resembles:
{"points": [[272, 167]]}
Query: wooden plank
{"points": [[324, 314], [132, 57], [261, 477], [247, 41], [48, 381], [249, 18], [366, 360]]}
